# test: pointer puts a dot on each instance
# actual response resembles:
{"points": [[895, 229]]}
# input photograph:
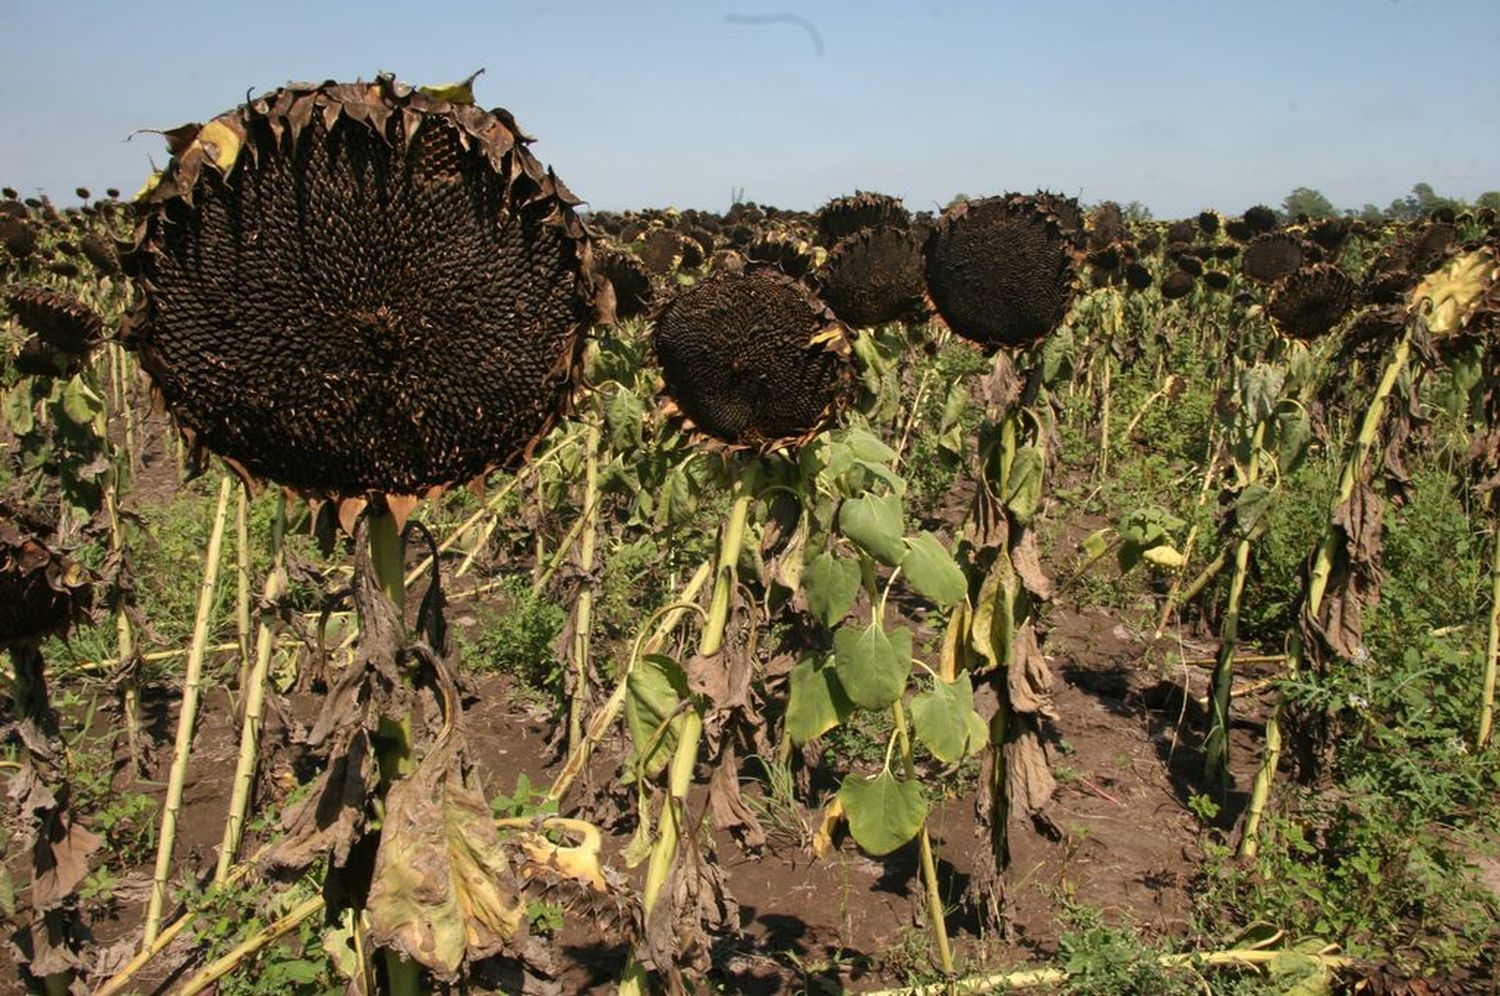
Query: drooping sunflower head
{"points": [[874, 277], [752, 359], [629, 279], [1312, 301], [844, 216], [1003, 271], [1452, 296], [62, 329], [360, 288], [1272, 257]]}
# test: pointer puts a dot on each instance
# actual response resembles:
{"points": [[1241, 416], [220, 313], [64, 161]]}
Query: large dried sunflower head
{"points": [[752, 358], [57, 318], [873, 277], [1003, 271], [629, 278], [1272, 257], [1312, 301], [360, 288]]}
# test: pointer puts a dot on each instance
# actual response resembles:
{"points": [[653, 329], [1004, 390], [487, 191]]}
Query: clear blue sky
{"points": [[1180, 104]]}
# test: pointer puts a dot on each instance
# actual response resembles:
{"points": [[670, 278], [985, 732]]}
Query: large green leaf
{"points": [[883, 812], [867, 446], [876, 525], [655, 688], [872, 665], [625, 415], [816, 703], [831, 585], [931, 570], [940, 717], [1024, 486]]}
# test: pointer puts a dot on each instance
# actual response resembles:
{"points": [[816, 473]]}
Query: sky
{"points": [[1178, 104]]}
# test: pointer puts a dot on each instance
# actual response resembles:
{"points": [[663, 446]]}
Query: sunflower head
{"points": [[844, 216], [1450, 297], [874, 277], [1002, 271], [1312, 301], [752, 359], [1272, 257], [360, 288]]}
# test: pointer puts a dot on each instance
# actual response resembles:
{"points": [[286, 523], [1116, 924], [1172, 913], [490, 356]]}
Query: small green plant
{"points": [[518, 638]]}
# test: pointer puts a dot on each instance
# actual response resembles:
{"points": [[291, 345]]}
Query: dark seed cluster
{"points": [[1272, 256], [382, 293], [873, 277], [1312, 301], [1001, 271], [751, 358]]}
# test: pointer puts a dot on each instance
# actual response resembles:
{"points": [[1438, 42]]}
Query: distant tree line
{"points": [[1421, 201]]}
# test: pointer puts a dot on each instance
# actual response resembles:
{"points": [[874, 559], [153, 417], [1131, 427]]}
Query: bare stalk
{"points": [[192, 691], [254, 692], [251, 946], [1492, 651], [583, 617], [242, 586]]}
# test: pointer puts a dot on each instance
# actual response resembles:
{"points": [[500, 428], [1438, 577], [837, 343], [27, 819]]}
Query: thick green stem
{"points": [[1104, 420], [254, 692], [1317, 584], [935, 910], [1492, 651], [1176, 594], [583, 617], [393, 746], [192, 692]]}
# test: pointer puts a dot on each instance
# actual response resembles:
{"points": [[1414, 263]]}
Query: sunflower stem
{"points": [[1216, 745], [192, 691], [1492, 651], [584, 607], [254, 691], [1317, 584], [685, 757], [935, 911], [242, 588]]}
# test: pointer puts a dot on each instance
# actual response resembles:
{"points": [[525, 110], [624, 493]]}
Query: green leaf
{"points": [[655, 688], [1251, 507], [624, 414], [931, 570], [868, 447], [875, 524], [816, 702], [940, 718], [18, 411], [831, 585], [1095, 544], [871, 664], [1293, 437], [1023, 489], [79, 404], [884, 813], [1260, 387]]}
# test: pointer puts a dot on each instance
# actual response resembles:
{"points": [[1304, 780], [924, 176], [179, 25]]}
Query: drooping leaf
{"points": [[868, 447], [876, 524], [931, 570], [872, 665], [831, 585], [1024, 486], [1250, 508], [816, 703], [655, 688], [883, 812], [941, 718]]}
